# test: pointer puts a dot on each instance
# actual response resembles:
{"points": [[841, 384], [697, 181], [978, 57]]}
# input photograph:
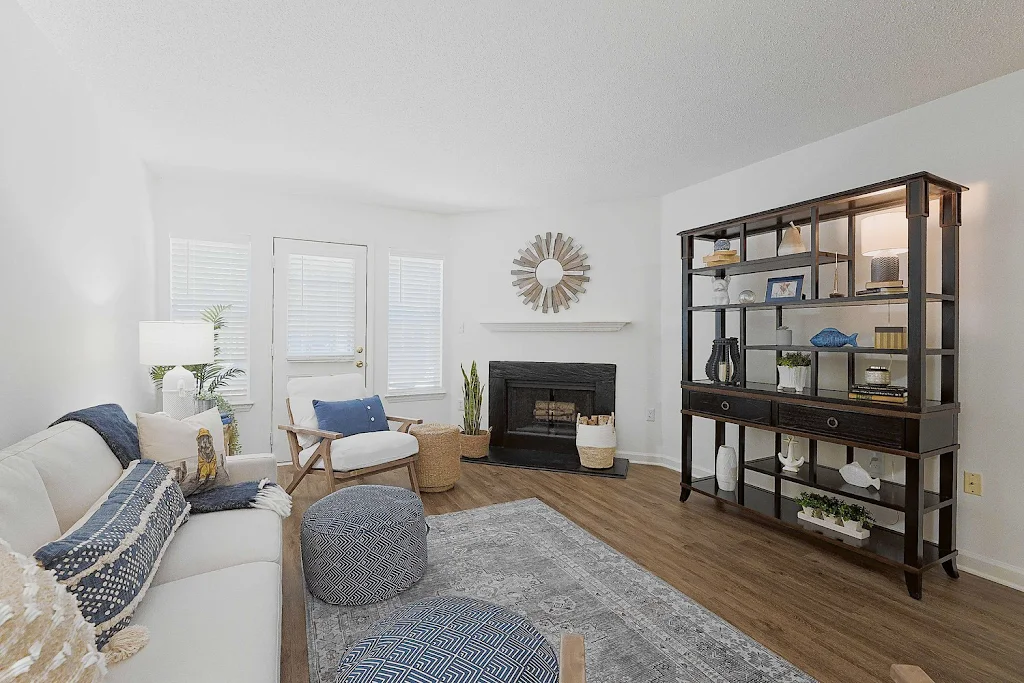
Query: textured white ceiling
{"points": [[465, 104]]}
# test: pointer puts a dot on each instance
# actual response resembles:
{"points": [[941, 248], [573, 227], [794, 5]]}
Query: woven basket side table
{"points": [[438, 466]]}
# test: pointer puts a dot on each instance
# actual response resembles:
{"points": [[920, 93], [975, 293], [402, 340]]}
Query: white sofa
{"points": [[214, 607]]}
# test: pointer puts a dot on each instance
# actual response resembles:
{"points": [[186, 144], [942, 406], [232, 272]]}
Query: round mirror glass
{"points": [[549, 272]]}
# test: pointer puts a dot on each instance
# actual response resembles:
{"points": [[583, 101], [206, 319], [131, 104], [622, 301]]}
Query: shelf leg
{"points": [[687, 468], [740, 469], [914, 584], [950, 567]]}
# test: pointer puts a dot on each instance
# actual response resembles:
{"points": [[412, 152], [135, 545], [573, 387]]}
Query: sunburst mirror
{"points": [[551, 272]]}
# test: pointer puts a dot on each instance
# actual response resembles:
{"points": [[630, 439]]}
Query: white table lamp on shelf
{"points": [[164, 342], [883, 237]]}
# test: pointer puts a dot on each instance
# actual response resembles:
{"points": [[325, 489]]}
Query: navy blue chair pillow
{"points": [[358, 416]]}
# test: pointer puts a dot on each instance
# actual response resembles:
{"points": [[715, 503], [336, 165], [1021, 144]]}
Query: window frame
{"points": [[398, 394]]}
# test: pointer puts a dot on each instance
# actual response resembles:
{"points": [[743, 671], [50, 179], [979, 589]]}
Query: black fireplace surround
{"points": [[533, 406]]}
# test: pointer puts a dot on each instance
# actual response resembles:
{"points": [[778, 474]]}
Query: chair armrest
{"points": [[905, 673], [572, 659], [251, 467], [407, 422], [318, 433]]}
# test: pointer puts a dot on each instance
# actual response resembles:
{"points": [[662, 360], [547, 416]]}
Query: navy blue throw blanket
{"points": [[110, 422]]}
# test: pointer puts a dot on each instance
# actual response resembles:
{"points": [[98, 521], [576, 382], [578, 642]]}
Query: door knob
{"points": [[359, 363], [359, 349]]}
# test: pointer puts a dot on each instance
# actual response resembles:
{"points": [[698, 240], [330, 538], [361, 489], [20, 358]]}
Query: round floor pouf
{"points": [[444, 639], [438, 467], [363, 544]]}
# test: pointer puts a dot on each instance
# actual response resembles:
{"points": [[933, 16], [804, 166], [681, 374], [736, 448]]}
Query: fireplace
{"points": [[533, 406]]}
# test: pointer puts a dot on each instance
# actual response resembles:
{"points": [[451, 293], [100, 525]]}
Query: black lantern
{"points": [[724, 364]]}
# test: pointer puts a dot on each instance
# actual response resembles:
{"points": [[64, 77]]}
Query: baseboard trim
{"points": [[669, 463], [993, 570]]}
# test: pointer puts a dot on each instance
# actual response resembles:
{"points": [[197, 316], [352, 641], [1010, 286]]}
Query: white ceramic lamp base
{"points": [[179, 393]]}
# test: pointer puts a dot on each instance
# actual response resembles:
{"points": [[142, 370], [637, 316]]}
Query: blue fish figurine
{"points": [[832, 337]]}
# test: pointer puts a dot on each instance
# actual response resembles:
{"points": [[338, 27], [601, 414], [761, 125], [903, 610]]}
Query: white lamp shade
{"points": [[883, 234], [163, 342]]}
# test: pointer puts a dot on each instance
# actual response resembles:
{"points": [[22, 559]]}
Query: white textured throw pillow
{"points": [[177, 444], [45, 638]]}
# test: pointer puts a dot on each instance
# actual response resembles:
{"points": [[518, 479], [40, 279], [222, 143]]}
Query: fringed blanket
{"points": [[122, 437]]}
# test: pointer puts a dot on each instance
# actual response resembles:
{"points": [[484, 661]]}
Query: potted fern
{"points": [[474, 442]]}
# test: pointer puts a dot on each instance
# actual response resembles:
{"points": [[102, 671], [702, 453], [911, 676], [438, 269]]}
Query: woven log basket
{"points": [[596, 442]]}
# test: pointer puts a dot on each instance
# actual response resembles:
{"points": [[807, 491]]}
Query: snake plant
{"points": [[472, 399]]}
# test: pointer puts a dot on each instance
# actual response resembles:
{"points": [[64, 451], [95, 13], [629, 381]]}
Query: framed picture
{"points": [[787, 288]]}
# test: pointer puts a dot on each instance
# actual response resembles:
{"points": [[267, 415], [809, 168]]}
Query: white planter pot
{"points": [[809, 511], [831, 519], [726, 464], [794, 379], [852, 525]]}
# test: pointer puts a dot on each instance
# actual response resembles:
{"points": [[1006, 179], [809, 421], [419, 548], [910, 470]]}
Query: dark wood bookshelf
{"points": [[923, 428]]}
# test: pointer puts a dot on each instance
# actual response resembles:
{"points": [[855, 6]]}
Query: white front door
{"points": [[319, 317]]}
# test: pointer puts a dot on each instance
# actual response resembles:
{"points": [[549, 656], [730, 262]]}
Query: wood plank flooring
{"points": [[778, 588]]}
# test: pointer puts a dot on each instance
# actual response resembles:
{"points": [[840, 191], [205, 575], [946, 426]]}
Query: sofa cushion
{"points": [[193, 448], [221, 539], [107, 562], [358, 416], [27, 520], [75, 465], [302, 391], [210, 628], [365, 450]]}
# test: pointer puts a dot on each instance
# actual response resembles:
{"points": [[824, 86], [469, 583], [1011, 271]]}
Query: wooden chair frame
{"points": [[323, 452]]}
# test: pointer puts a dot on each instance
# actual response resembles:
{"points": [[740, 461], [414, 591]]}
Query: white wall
{"points": [[974, 137], [75, 243], [621, 241], [212, 206]]}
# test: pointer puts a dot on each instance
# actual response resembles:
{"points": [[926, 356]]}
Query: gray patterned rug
{"points": [[534, 561]]}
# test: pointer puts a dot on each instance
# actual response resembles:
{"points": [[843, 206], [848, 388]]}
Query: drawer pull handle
{"points": [[725, 405], [832, 422]]}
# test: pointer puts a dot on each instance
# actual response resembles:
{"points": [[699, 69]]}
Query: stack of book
{"points": [[884, 394]]}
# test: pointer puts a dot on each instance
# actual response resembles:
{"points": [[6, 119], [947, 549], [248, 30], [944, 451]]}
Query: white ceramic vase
{"points": [[794, 379], [726, 464]]}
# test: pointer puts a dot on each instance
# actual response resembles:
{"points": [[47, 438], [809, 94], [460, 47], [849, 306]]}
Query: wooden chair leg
{"points": [[329, 469], [297, 477], [412, 478]]}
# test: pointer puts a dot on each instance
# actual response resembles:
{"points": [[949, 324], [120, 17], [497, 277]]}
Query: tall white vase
{"points": [[726, 464]]}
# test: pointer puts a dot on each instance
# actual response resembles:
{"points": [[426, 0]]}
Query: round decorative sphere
{"points": [[722, 245], [746, 296]]}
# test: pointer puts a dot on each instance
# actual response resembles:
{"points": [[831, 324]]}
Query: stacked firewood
{"points": [[594, 420], [554, 411]]}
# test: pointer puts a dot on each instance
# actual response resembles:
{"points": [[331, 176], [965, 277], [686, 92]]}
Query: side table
{"points": [[438, 467]]}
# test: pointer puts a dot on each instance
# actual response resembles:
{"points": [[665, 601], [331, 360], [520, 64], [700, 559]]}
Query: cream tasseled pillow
{"points": [[43, 636]]}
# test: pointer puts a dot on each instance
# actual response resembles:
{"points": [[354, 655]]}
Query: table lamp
{"points": [[883, 237], [164, 342]]}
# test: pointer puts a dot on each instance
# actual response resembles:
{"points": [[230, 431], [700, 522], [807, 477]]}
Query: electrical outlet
{"points": [[460, 404], [972, 483], [650, 415]]}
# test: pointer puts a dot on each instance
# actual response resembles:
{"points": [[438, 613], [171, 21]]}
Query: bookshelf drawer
{"points": [[746, 409], [869, 429]]}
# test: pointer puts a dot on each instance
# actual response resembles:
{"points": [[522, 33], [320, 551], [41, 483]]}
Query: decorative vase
{"points": [[723, 365], [783, 336], [792, 241], [474, 445], [726, 464], [720, 291], [794, 378]]}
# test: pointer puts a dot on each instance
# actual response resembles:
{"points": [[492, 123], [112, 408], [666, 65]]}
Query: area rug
{"points": [[532, 560]]}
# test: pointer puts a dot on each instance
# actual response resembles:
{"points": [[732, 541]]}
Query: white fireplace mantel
{"points": [[555, 325]]}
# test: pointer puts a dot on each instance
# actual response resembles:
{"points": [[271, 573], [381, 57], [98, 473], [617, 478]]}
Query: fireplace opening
{"points": [[546, 410]]}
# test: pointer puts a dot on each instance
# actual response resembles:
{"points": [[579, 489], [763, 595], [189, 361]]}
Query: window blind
{"points": [[414, 324], [206, 274], [321, 308]]}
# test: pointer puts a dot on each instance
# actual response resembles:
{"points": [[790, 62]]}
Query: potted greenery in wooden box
{"points": [[794, 371], [474, 441]]}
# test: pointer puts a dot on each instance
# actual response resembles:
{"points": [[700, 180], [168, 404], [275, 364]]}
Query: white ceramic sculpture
{"points": [[720, 291], [792, 241], [855, 475], [794, 378], [791, 462], [725, 468]]}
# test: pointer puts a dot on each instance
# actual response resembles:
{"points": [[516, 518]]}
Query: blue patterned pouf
{"points": [[444, 639], [363, 544]]}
